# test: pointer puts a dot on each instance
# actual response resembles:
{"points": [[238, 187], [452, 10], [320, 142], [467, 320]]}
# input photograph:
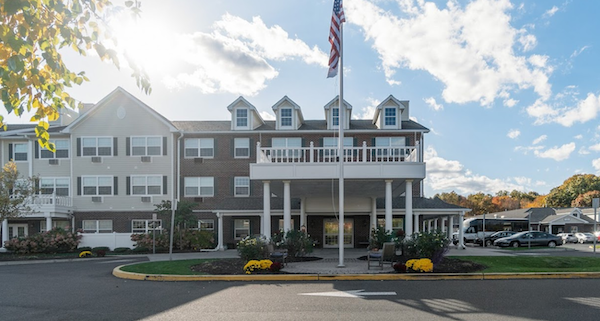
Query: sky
{"points": [[510, 90]]}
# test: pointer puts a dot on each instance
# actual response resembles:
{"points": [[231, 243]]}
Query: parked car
{"points": [[584, 237], [489, 240], [568, 237], [533, 238]]}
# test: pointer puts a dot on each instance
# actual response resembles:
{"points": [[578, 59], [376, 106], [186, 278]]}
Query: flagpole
{"points": [[342, 122]]}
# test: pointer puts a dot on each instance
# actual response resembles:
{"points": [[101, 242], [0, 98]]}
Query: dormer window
{"points": [[241, 117], [390, 116], [286, 117], [335, 119]]}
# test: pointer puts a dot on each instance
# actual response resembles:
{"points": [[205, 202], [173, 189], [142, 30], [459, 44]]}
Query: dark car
{"points": [[533, 238], [489, 240]]}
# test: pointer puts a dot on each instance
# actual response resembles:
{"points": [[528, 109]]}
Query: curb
{"points": [[354, 277]]}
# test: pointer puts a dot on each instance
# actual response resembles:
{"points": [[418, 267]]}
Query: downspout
{"points": [[175, 199]]}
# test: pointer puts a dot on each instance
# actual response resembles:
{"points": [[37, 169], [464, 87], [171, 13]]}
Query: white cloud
{"points": [[523, 180], [267, 115], [526, 149], [433, 104], [235, 56], [539, 139], [449, 175], [513, 133], [578, 136], [596, 164], [578, 52], [550, 12], [469, 49], [510, 102], [583, 151], [369, 111], [557, 153], [595, 148]]}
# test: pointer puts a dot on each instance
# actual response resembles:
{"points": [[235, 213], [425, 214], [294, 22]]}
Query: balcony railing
{"points": [[49, 200], [361, 154]]}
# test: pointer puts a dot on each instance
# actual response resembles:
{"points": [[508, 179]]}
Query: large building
{"points": [[118, 158]]}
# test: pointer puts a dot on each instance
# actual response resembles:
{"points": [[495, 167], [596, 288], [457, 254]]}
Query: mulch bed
{"points": [[236, 266]]}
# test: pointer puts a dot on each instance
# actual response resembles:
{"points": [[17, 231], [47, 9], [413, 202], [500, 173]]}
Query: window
{"points": [[242, 147], [61, 146], [97, 185], [146, 146], [331, 145], [335, 119], [390, 146], [397, 223], [241, 117], [20, 152], [97, 226], [55, 224], [241, 228], [389, 118], [199, 147], [199, 186], [242, 186], [206, 225], [286, 117], [281, 226], [281, 146], [146, 185], [145, 226], [54, 185], [96, 146]]}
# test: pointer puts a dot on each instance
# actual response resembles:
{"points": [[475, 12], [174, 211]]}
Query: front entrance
{"points": [[17, 230], [330, 233]]}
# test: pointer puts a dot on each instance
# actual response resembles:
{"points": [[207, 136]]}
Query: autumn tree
{"points": [[585, 199], [33, 75], [565, 194], [15, 192]]}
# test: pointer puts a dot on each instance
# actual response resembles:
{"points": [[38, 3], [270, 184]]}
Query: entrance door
{"points": [[330, 233], [17, 230]]}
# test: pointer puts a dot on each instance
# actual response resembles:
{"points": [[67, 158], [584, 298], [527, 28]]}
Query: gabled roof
{"points": [[553, 218], [336, 98], [248, 104], [296, 106], [108, 98], [383, 103]]}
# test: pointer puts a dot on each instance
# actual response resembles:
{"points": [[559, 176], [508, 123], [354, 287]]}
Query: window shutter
{"points": [[116, 185], [302, 142], [115, 146], [78, 146], [232, 147], [127, 145], [373, 142], [128, 185], [252, 147], [165, 185], [10, 151], [214, 147], [182, 185], [78, 184], [321, 142], [232, 186], [407, 142], [37, 149], [164, 147], [355, 142]]}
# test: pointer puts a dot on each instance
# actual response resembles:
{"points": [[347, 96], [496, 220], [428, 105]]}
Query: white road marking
{"points": [[349, 294]]}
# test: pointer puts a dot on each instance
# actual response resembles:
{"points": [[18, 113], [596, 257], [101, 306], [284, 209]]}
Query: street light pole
{"points": [[595, 205]]}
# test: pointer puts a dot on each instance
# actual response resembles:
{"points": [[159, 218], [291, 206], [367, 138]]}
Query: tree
{"points": [[184, 217], [565, 194], [15, 192], [585, 199], [33, 76]]}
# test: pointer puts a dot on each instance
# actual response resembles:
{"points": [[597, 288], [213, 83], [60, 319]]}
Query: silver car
{"points": [[585, 237], [533, 238], [568, 237]]}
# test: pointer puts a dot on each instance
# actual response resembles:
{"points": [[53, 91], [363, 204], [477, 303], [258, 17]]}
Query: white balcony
{"points": [[318, 163], [59, 206]]}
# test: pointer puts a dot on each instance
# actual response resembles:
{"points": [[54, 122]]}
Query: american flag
{"points": [[334, 37]]}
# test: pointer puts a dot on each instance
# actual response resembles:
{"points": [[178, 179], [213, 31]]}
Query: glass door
{"points": [[330, 233], [17, 230]]}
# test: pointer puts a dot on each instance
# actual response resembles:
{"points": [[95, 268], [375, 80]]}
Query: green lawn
{"points": [[165, 267], [518, 264]]}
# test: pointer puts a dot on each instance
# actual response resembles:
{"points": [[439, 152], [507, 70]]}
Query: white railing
{"points": [[361, 154], [48, 200]]}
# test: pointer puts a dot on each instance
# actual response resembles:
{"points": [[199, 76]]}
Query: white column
{"points": [[409, 209], [424, 225], [449, 227], [461, 221], [287, 206], [220, 246], [388, 205], [48, 222], [4, 234], [266, 224], [303, 212], [373, 214], [416, 216], [435, 223]]}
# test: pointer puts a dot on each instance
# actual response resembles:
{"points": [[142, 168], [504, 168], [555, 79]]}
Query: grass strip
{"points": [[182, 267], [523, 264]]}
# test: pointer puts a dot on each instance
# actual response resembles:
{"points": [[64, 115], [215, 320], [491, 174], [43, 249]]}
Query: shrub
{"points": [[54, 241], [297, 243], [252, 248], [256, 265], [121, 250], [432, 245], [140, 249], [379, 236], [100, 248], [399, 267], [184, 240], [419, 265], [275, 267], [84, 248]]}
